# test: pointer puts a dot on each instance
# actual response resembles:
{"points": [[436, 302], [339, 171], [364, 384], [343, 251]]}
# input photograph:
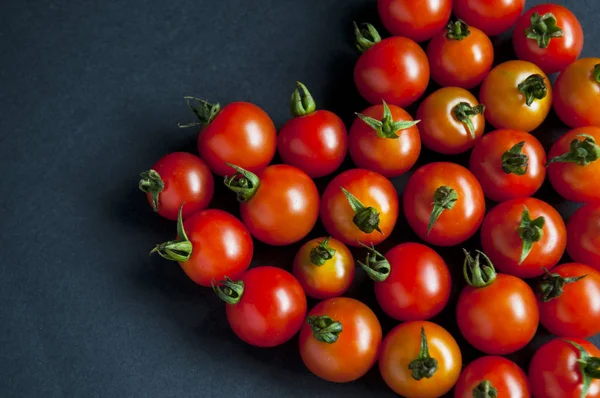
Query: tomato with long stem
{"points": [[577, 93], [583, 235], [491, 16], [492, 376], [417, 20]]}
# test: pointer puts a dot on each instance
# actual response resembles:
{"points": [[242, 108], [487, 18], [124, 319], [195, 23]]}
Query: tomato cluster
{"points": [[522, 237]]}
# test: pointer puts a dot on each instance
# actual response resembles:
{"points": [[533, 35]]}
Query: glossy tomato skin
{"points": [[491, 16], [418, 286], [271, 309], [373, 190], [331, 279], [417, 20], [242, 134], [395, 70], [498, 319], [505, 104], [486, 164], [401, 346], [577, 94], [561, 51], [356, 349], [504, 375], [554, 371], [441, 131], [453, 226], [583, 235], [389, 157], [315, 143], [284, 208]]}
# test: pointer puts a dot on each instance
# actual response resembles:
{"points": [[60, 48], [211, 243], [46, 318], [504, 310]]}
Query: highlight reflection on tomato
{"points": [[577, 93], [417, 20]]}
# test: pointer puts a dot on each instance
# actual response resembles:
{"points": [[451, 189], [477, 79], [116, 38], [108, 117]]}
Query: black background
{"points": [[90, 93]]}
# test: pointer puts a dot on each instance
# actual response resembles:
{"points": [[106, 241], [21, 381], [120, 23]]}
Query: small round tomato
{"points": [[491, 16], [395, 70], [517, 95], [574, 165], [178, 178], [385, 139], [340, 340], [559, 369], [315, 141], [451, 120], [359, 206], [279, 205], [417, 20], [492, 376], [583, 235], [548, 35], [496, 313], [444, 203], [324, 267], [523, 236], [266, 307], [420, 359], [460, 56], [509, 164], [210, 244], [577, 93]]}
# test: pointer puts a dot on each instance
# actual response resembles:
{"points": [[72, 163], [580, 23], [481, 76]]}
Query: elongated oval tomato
{"points": [[491, 16], [494, 374], [340, 339], [417, 20], [577, 93], [583, 235]]}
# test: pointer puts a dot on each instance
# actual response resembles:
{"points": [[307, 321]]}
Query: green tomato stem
{"points": [[179, 249], [387, 127], [204, 111], [465, 113], [444, 198], [324, 328], [376, 265], [457, 30], [424, 365], [588, 365], [229, 291], [530, 231], [302, 102], [534, 88], [552, 284], [476, 273], [366, 36], [514, 161], [150, 182], [485, 389], [581, 152], [243, 183], [365, 218], [543, 28], [321, 253]]}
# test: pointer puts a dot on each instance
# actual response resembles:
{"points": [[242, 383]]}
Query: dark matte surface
{"points": [[89, 95]]}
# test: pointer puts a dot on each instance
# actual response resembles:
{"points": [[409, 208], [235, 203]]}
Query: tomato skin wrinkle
{"points": [[417, 20]]}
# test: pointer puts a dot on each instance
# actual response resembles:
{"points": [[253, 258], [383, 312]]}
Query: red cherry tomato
{"points": [[548, 35], [577, 93], [385, 139], [315, 141], [359, 206], [583, 235], [394, 70], [494, 374], [556, 371], [417, 20], [574, 169], [324, 267], [509, 164], [523, 236], [460, 56], [491, 16], [340, 340], [444, 203], [266, 307], [178, 178]]}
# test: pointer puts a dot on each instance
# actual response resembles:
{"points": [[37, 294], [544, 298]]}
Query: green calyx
{"points": [[543, 28], [179, 249], [478, 273], [530, 231], [424, 365], [376, 265], [596, 73], [302, 102], [321, 253], [204, 111], [243, 183], [534, 88], [365, 218], [457, 30], [366, 36], [229, 291], [387, 127], [514, 161], [588, 365], [444, 198], [485, 389], [552, 284], [582, 152], [150, 182], [464, 112], [324, 329]]}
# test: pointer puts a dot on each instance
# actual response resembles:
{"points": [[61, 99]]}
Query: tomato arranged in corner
{"points": [[340, 339], [491, 16], [417, 20], [583, 235], [315, 141], [577, 93], [492, 376]]}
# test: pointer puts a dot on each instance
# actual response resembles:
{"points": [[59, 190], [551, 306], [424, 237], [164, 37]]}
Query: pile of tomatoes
{"points": [[444, 203]]}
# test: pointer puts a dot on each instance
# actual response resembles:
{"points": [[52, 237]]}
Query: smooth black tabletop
{"points": [[90, 93]]}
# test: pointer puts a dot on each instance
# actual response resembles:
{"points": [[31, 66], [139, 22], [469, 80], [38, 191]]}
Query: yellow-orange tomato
{"points": [[577, 93]]}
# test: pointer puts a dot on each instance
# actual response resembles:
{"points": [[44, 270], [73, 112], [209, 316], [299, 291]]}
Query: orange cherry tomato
{"points": [[577, 93]]}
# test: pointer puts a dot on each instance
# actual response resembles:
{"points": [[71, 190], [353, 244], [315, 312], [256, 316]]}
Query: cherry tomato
{"points": [[583, 235], [559, 370], [577, 93], [492, 376], [210, 244], [266, 307], [394, 70], [417, 20], [359, 206], [460, 56], [315, 141], [444, 203], [509, 164], [574, 165], [279, 205], [451, 120], [496, 313], [385, 139], [517, 95], [340, 339], [420, 359], [548, 35], [491, 16], [324, 267]]}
